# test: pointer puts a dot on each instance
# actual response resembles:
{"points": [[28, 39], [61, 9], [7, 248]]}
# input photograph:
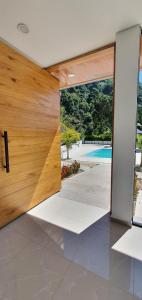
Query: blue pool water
{"points": [[102, 153]]}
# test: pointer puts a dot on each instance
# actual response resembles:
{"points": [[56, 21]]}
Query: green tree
{"points": [[88, 109], [107, 135], [69, 136]]}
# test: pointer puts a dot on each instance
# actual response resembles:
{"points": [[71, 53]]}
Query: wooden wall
{"points": [[30, 113]]}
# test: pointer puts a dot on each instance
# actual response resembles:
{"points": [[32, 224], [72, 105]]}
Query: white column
{"points": [[125, 108]]}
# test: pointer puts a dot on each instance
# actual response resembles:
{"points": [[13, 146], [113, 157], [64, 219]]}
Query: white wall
{"points": [[125, 107]]}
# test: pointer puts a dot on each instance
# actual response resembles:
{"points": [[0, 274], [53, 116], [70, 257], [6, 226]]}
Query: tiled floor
{"points": [[82, 200], [67, 214], [41, 261], [131, 243]]}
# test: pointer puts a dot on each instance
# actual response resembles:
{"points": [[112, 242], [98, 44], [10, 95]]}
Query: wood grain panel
{"points": [[95, 65], [92, 66], [30, 113]]}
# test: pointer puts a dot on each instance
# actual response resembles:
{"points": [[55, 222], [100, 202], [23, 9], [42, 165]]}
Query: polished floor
{"points": [[41, 261], [67, 214], [81, 202], [131, 243]]}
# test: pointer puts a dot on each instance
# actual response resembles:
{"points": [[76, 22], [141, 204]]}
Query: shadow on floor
{"points": [[41, 261]]}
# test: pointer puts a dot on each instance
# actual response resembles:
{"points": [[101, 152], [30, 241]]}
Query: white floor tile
{"points": [[130, 243], [70, 215]]}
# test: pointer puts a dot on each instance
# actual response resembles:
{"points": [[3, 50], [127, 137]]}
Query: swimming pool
{"points": [[101, 153]]}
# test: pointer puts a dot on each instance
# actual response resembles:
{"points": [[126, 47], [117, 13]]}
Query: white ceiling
{"points": [[61, 29]]}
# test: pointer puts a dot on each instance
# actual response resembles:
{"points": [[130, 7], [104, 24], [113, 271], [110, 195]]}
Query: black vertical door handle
{"points": [[6, 166]]}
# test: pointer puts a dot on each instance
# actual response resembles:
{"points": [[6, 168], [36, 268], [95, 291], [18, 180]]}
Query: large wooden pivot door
{"points": [[29, 135]]}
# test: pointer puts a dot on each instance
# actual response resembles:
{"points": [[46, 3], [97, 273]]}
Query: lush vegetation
{"points": [[88, 109], [70, 169], [139, 119], [139, 110]]}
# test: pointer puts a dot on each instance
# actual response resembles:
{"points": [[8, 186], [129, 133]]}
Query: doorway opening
{"points": [[86, 94], [86, 143]]}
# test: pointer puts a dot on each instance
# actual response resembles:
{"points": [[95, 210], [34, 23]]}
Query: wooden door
{"points": [[29, 113]]}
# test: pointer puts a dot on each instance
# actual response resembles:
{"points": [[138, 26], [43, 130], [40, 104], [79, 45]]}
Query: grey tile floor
{"points": [[41, 261]]}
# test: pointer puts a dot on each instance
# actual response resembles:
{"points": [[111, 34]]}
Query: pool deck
{"points": [[78, 153], [91, 187]]}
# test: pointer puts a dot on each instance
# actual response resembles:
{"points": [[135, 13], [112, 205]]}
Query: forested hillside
{"points": [[88, 109]]}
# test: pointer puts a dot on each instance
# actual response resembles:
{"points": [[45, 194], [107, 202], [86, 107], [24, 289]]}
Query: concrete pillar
{"points": [[125, 109]]}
